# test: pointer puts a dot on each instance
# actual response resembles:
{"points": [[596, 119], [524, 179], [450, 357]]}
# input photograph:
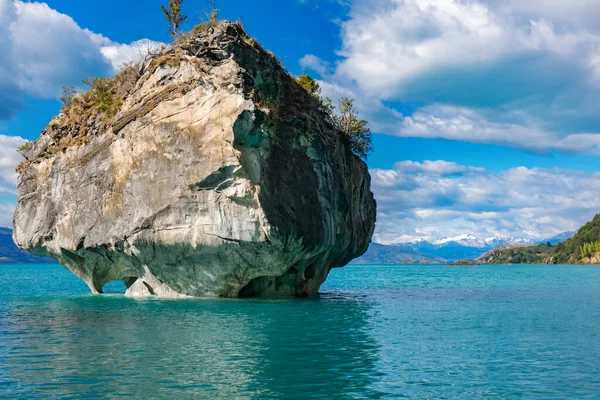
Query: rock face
{"points": [[217, 176]]}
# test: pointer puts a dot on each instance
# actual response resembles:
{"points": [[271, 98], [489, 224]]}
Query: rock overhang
{"points": [[217, 176]]}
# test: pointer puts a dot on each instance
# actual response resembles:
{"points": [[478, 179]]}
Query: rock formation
{"points": [[204, 171]]}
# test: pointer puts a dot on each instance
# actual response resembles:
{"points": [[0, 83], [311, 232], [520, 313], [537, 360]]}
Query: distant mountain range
{"points": [[440, 251], [10, 253], [396, 254], [444, 250], [561, 237], [581, 248]]}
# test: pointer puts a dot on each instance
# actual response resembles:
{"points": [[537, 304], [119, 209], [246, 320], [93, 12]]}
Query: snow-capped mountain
{"points": [[561, 237], [466, 246], [469, 240], [395, 254], [465, 240]]}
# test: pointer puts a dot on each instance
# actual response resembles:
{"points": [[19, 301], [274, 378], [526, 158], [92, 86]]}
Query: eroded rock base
{"points": [[148, 285], [217, 176]]}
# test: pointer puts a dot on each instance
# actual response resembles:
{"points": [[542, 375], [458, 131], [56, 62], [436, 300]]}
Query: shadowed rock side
{"points": [[218, 176]]}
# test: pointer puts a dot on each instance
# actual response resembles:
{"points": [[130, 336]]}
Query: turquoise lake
{"points": [[376, 332]]}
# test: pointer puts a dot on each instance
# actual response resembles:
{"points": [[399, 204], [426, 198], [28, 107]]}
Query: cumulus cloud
{"points": [[49, 49], [421, 200], [9, 159], [419, 50], [433, 167], [9, 104], [119, 54], [310, 61], [459, 123], [44, 50], [6, 214], [573, 13], [507, 72]]}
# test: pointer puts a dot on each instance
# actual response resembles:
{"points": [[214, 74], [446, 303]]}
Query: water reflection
{"points": [[105, 346]]}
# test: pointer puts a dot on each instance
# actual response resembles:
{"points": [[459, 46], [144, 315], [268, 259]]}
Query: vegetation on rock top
{"points": [[92, 113], [464, 262], [356, 131], [537, 254], [174, 17], [86, 114], [583, 248]]}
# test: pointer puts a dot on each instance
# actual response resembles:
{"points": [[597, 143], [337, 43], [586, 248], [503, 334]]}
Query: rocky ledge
{"points": [[204, 171]]}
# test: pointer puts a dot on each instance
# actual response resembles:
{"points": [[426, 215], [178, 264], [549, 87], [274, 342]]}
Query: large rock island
{"points": [[206, 170]]}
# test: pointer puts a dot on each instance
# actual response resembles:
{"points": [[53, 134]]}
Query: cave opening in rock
{"points": [[310, 272], [256, 286], [114, 287], [118, 286]]}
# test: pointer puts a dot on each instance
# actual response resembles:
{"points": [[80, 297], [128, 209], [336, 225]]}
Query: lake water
{"points": [[376, 332]]}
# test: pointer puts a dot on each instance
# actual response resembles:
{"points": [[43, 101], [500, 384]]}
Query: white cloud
{"points": [[524, 74], [390, 49], [571, 13], [9, 159], [49, 50], [119, 54], [436, 198], [466, 124], [41, 51], [6, 214], [9, 104], [44, 50], [310, 61], [402, 40], [433, 167]]}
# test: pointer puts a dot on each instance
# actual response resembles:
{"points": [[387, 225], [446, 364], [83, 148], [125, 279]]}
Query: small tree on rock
{"points": [[213, 11], [68, 95], [356, 130], [174, 17], [309, 84]]}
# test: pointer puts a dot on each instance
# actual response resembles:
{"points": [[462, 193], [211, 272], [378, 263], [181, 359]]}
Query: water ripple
{"points": [[376, 332]]}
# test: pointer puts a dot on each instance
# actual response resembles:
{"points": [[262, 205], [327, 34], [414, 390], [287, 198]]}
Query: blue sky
{"points": [[485, 113]]}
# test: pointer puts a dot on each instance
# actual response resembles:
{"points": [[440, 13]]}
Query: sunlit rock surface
{"points": [[219, 176]]}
